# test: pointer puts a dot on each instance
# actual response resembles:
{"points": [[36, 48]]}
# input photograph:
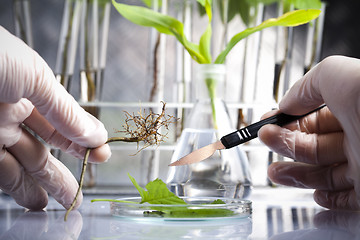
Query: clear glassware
{"points": [[226, 173], [94, 29]]}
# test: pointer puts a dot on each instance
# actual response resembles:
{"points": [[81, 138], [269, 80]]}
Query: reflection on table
{"points": [[270, 220]]}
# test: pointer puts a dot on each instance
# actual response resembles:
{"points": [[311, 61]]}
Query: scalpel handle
{"points": [[250, 132]]}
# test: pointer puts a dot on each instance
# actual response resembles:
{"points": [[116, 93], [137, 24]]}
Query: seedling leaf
{"points": [[290, 19], [161, 22]]}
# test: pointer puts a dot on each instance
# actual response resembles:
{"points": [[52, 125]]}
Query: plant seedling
{"points": [[140, 128], [201, 52]]}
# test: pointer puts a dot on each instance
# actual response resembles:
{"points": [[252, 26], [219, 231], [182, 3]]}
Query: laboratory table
{"points": [[278, 213]]}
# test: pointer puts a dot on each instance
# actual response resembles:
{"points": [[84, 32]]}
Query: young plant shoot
{"points": [[201, 52]]}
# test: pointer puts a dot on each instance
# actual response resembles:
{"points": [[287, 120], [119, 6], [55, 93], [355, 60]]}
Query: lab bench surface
{"points": [[278, 213]]}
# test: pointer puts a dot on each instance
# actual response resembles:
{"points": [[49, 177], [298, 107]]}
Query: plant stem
{"points": [[146, 131], [85, 161], [81, 182], [211, 86], [123, 139]]}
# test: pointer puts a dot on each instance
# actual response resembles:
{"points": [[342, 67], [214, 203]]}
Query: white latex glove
{"points": [[326, 144], [30, 95]]}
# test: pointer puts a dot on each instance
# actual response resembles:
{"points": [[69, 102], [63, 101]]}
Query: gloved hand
{"points": [[30, 95], [325, 144]]}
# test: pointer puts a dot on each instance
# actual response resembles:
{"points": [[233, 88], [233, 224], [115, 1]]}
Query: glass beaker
{"points": [[226, 173]]}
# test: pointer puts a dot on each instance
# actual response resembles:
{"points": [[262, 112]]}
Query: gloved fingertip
{"points": [[59, 182], [278, 139], [287, 174], [273, 171], [337, 200], [36, 202], [267, 133], [29, 194], [95, 135], [100, 155], [322, 198], [269, 114]]}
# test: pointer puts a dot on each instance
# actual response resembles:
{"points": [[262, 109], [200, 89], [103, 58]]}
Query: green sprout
{"points": [[201, 52], [144, 127]]}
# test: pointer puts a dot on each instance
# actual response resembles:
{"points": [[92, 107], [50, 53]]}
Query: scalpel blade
{"points": [[199, 154]]}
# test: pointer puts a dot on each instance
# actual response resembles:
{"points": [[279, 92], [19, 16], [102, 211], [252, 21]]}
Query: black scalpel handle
{"points": [[250, 132]]}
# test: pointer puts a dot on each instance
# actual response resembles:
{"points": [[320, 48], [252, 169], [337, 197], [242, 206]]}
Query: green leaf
{"points": [[207, 5], [148, 3], [244, 11], [157, 193], [201, 9], [205, 40], [226, 16], [161, 22], [218, 201], [141, 191], [185, 212], [197, 213], [289, 19], [148, 18]]}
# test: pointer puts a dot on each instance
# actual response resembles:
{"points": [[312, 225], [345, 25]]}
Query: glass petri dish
{"points": [[196, 209]]}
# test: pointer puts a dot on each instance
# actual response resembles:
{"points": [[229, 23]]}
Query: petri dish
{"points": [[195, 209]]}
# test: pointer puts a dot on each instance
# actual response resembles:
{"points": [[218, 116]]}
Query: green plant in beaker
{"points": [[225, 174]]}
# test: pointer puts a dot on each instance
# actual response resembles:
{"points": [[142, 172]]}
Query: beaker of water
{"points": [[226, 173]]}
